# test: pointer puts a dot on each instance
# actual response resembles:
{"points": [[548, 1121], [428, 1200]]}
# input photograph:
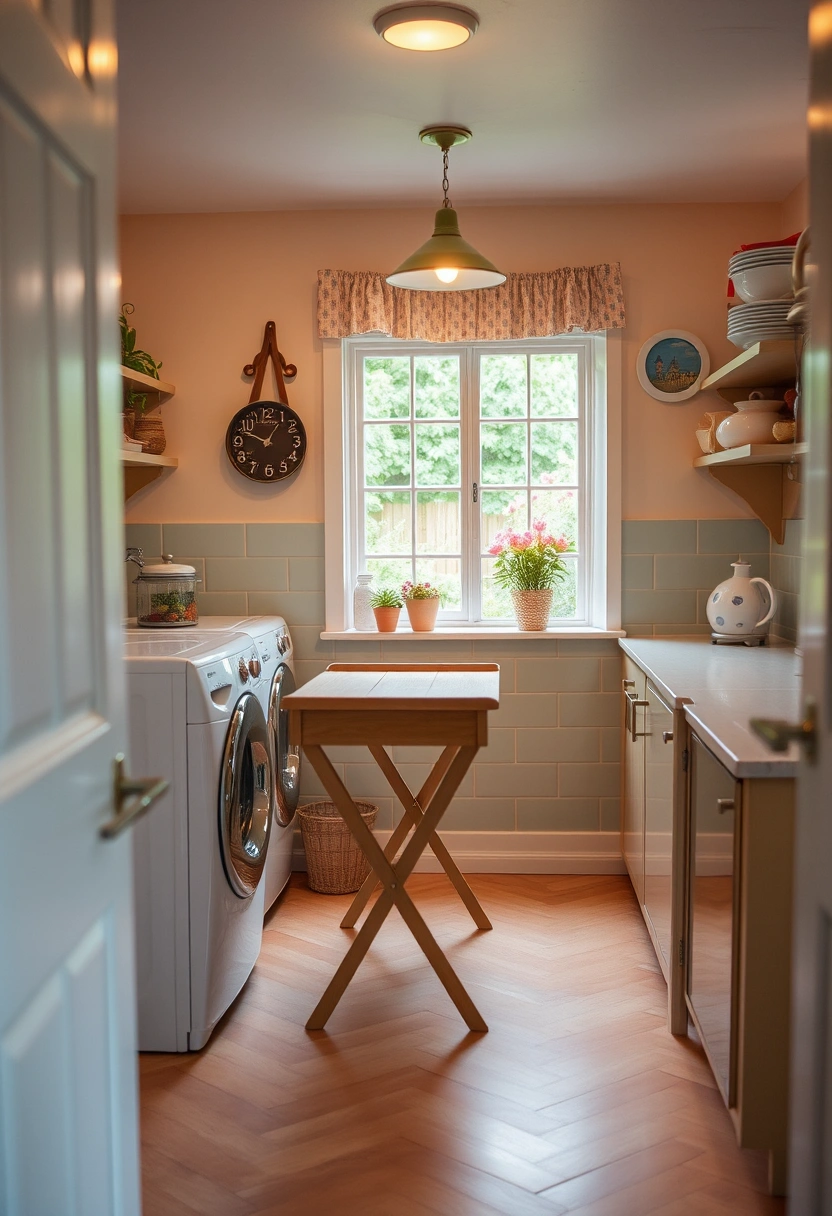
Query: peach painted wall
{"points": [[796, 208], [204, 285]]}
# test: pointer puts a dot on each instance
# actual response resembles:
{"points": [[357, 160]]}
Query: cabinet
{"points": [[739, 944], [653, 801]]}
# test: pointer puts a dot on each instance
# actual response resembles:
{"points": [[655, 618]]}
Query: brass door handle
{"points": [[143, 792], [779, 734]]}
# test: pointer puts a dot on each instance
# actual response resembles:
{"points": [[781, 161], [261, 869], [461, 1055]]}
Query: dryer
{"points": [[196, 717], [272, 659]]}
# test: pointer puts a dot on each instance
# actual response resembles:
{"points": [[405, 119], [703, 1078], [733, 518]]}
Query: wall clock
{"points": [[266, 440]]}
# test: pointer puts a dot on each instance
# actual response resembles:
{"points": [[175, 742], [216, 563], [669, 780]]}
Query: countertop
{"points": [[720, 688]]}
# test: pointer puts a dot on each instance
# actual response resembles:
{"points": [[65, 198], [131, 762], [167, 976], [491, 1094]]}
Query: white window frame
{"points": [[601, 456]]}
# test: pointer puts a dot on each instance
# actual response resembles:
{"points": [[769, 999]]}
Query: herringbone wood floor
{"points": [[577, 1099]]}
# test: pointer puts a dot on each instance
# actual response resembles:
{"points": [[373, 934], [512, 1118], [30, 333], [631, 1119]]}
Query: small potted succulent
{"points": [[386, 605], [422, 603], [529, 564]]}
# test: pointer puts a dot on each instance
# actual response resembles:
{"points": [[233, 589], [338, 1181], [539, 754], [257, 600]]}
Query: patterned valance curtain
{"points": [[536, 305]]}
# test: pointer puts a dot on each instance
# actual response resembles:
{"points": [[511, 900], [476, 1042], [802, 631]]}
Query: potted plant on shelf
{"points": [[148, 431], [386, 604], [422, 603], [529, 564]]}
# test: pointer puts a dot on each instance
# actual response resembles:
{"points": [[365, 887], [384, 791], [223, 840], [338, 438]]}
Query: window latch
{"points": [[476, 492]]}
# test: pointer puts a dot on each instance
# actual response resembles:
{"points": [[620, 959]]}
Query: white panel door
{"points": [[811, 1096], [68, 1111]]}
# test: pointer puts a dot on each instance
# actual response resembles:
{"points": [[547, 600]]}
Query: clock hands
{"points": [[267, 443]]}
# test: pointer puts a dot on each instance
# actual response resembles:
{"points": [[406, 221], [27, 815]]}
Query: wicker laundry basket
{"points": [[335, 864]]}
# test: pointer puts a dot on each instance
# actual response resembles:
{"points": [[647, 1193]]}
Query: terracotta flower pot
{"points": [[386, 619], [532, 609], [422, 614]]}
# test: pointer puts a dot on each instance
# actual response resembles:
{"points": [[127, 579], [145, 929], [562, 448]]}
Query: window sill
{"points": [[473, 633]]}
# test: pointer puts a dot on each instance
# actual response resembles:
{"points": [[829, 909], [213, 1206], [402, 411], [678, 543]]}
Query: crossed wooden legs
{"points": [[451, 771], [414, 809]]}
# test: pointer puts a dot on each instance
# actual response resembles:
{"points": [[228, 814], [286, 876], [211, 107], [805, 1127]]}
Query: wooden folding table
{"points": [[375, 705]]}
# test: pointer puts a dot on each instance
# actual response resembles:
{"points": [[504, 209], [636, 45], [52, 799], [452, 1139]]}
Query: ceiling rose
{"points": [[426, 27]]}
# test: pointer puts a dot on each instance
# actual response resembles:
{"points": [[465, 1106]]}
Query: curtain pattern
{"points": [[536, 305]]}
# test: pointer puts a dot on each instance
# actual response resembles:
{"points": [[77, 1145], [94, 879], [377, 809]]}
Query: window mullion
{"points": [[473, 539]]}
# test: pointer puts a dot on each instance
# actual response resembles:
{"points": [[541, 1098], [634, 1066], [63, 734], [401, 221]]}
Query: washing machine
{"points": [[273, 661], [196, 717]]}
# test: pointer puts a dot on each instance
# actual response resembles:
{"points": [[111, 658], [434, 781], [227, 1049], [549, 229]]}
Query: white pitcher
{"points": [[737, 608]]}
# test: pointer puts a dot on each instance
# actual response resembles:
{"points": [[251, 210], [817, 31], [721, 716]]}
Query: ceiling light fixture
{"points": [[426, 27], [446, 262]]}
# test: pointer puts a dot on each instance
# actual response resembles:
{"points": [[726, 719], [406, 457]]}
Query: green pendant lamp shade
{"points": [[446, 262]]}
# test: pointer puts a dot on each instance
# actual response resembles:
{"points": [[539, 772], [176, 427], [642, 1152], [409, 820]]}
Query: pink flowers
{"points": [[537, 536], [420, 591], [529, 560]]}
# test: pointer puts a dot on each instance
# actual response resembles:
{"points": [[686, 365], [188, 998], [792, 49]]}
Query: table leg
{"points": [[414, 810], [399, 836], [393, 878]]}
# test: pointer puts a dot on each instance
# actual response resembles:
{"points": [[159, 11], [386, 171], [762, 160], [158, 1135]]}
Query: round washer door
{"points": [[246, 797], [286, 751]]}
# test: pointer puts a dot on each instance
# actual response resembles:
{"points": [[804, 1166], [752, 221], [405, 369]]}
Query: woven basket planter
{"points": [[335, 864], [532, 609], [128, 423], [150, 433]]}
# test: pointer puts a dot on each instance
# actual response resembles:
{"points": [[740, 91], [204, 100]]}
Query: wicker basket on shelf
{"points": [[335, 864], [150, 433]]}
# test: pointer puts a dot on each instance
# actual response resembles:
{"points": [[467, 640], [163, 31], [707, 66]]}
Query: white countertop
{"points": [[721, 688]]}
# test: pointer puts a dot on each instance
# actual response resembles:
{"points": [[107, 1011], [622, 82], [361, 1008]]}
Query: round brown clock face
{"points": [[265, 441]]}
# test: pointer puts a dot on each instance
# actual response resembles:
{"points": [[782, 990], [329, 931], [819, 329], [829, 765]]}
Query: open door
{"points": [[68, 1108]]}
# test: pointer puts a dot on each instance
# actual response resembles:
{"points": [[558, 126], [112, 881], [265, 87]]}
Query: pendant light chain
{"points": [[445, 182]]}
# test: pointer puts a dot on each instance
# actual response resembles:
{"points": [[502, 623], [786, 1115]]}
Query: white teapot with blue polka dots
{"points": [[738, 608]]}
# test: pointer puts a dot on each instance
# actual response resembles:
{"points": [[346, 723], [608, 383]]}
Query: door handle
{"points": [[724, 805], [779, 734], [143, 792]]}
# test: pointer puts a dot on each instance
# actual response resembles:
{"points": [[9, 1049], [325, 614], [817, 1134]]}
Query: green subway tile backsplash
{"points": [[551, 763]]}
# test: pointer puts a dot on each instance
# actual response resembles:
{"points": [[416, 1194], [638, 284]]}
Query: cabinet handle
{"points": [[633, 704], [625, 684], [723, 805], [667, 736]]}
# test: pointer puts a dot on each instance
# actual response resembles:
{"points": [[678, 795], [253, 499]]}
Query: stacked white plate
{"points": [[761, 322], [765, 274]]}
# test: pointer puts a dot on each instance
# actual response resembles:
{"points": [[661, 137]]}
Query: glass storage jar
{"points": [[166, 595]]}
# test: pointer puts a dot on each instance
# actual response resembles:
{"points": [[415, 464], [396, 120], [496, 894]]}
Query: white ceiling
{"points": [[248, 105]]}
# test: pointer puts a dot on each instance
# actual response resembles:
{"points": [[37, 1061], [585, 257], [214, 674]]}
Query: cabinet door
{"points": [[632, 820], [714, 794], [658, 820]]}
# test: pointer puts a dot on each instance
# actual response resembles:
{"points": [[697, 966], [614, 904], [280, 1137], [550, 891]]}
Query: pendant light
{"points": [[446, 262], [426, 27]]}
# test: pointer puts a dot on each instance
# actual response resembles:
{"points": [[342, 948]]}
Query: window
{"points": [[446, 445]]}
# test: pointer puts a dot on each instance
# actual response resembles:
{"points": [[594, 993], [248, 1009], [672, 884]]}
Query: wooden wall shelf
{"points": [[763, 364], [140, 383], [760, 475], [141, 468]]}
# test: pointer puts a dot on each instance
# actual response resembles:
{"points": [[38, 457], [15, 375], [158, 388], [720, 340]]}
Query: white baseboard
{"points": [[516, 853]]}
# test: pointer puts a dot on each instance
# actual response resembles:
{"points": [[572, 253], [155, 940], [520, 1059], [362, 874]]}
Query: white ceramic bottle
{"points": [[362, 612], [737, 608]]}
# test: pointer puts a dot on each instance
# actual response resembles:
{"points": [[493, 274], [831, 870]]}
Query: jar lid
{"points": [[168, 568]]}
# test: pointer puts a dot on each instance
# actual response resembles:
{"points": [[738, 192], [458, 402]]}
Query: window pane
{"points": [[438, 522], [565, 599], [444, 573], [503, 386], [389, 572], [437, 455], [555, 453], [503, 453], [496, 602], [387, 523], [554, 385], [559, 510], [502, 509], [387, 387], [387, 455], [436, 386]]}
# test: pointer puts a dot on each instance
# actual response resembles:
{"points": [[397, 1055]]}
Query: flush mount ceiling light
{"points": [[426, 27], [446, 262]]}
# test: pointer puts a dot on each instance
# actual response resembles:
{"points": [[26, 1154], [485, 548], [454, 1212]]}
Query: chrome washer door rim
{"points": [[287, 757], [246, 797]]}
